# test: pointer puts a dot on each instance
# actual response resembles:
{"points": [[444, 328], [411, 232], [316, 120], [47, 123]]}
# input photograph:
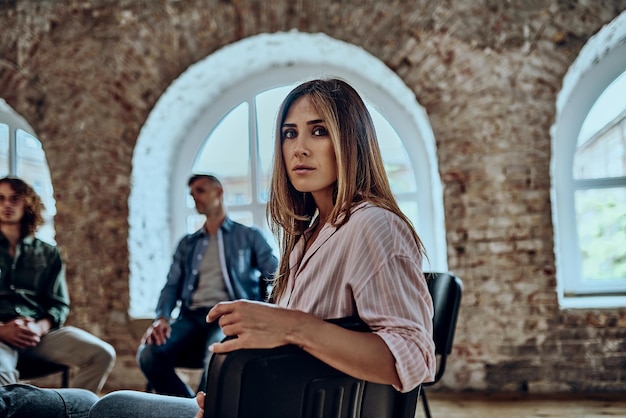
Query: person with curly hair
{"points": [[34, 299]]}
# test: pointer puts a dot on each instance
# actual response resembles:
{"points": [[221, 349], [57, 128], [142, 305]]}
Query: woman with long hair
{"points": [[346, 249]]}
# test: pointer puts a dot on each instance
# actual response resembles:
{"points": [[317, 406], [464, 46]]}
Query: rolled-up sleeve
{"points": [[396, 304], [372, 267]]}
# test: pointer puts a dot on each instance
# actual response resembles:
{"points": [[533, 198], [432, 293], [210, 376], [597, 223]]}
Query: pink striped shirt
{"points": [[370, 267]]}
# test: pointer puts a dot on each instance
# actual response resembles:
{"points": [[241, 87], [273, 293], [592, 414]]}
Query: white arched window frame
{"points": [[22, 155], [208, 90], [600, 62]]}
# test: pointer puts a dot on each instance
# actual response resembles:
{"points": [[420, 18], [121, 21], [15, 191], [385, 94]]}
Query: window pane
{"points": [[32, 167], [243, 217], [409, 208], [194, 222], [395, 158], [226, 153], [267, 104], [601, 146], [4, 150], [604, 155], [601, 220]]}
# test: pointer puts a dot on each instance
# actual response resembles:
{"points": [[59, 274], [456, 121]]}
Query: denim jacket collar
{"points": [[226, 227]]}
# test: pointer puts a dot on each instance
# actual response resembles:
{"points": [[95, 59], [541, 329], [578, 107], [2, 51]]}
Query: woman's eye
{"points": [[320, 131], [289, 134]]}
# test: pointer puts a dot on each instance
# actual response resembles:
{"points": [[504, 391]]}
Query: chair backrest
{"points": [[445, 290], [287, 382]]}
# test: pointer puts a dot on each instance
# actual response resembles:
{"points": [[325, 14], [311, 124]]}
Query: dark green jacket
{"points": [[33, 284]]}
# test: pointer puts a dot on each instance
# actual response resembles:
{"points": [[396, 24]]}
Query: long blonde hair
{"points": [[360, 172]]}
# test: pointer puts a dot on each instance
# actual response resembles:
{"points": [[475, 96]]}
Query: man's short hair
{"points": [[209, 177]]}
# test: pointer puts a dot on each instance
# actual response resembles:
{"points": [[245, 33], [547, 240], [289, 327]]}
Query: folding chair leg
{"points": [[425, 404], [65, 378]]}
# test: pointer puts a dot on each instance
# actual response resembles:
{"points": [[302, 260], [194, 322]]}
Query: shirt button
{"points": [[194, 272], [190, 287], [12, 287], [18, 310], [199, 256]]}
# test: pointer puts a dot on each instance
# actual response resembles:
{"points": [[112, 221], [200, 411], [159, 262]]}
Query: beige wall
{"points": [[85, 75]]}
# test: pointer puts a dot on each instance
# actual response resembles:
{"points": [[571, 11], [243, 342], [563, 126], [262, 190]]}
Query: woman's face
{"points": [[308, 152]]}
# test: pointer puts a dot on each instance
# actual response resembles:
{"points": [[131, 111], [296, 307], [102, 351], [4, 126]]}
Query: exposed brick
{"points": [[85, 75]]}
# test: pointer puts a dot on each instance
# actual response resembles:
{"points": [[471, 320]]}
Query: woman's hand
{"points": [[255, 324], [263, 325], [200, 399]]}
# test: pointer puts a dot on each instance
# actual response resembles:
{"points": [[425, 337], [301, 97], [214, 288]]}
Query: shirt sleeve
{"points": [[171, 291], [266, 261], [393, 299], [403, 319], [57, 308]]}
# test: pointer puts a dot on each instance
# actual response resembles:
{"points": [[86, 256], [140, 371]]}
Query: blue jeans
{"points": [[132, 404], [188, 346], [18, 400]]}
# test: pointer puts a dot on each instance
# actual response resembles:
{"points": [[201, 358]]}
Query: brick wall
{"points": [[85, 75]]}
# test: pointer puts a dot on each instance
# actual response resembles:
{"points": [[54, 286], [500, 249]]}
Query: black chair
{"points": [[35, 368], [260, 383], [445, 290]]}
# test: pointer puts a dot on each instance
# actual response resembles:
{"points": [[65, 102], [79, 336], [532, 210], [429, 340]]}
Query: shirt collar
{"points": [[28, 240], [226, 226]]}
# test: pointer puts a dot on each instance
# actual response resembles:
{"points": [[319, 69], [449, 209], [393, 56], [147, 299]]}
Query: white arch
{"points": [[39, 176], [601, 60], [158, 175]]}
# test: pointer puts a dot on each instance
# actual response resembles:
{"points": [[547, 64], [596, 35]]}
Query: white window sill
{"points": [[593, 302]]}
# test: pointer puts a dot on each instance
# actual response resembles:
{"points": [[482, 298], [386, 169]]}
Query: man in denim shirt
{"points": [[34, 300], [223, 260]]}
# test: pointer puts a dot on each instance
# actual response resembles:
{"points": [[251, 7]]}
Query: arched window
{"points": [[228, 131], [22, 155], [589, 174], [239, 150]]}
